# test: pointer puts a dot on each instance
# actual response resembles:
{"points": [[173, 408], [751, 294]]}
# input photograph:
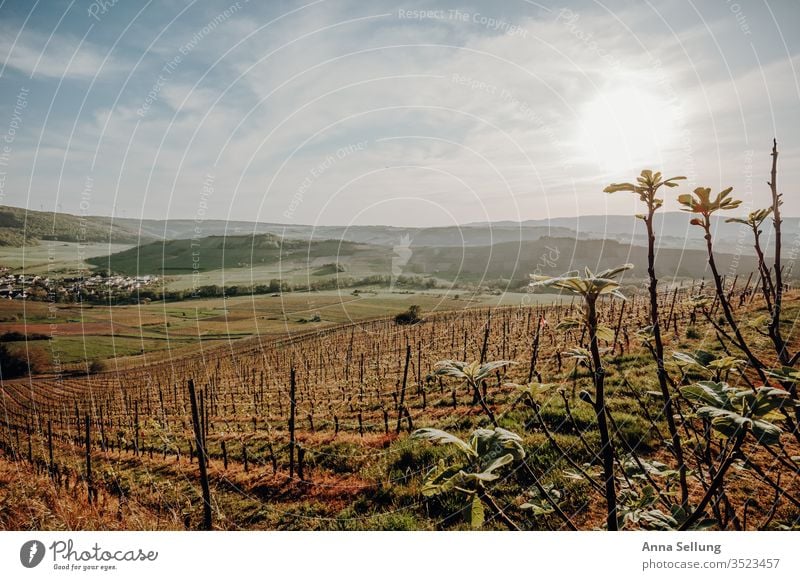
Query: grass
{"points": [[55, 258], [228, 252]]}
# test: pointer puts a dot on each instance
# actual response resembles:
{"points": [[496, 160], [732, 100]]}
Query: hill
{"points": [[265, 256], [221, 253], [554, 256], [472, 235], [672, 231], [20, 227]]}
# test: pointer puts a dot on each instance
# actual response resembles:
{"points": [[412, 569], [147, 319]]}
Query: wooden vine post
{"points": [[292, 411], [201, 458], [401, 404], [89, 484]]}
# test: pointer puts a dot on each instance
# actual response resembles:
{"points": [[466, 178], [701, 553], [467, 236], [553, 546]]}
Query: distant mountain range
{"points": [[19, 226], [672, 231]]}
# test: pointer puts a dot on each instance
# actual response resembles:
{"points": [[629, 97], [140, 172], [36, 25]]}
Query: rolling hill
{"points": [[554, 256], [225, 253], [672, 231], [268, 256], [21, 227]]}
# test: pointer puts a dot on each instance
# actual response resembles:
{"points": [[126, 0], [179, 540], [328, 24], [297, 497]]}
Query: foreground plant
{"points": [[472, 374], [754, 220], [773, 288], [702, 204], [721, 367], [590, 288], [638, 510], [733, 413], [486, 451], [777, 303], [646, 187]]}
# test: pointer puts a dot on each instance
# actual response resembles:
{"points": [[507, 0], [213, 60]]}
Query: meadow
{"points": [[135, 334]]}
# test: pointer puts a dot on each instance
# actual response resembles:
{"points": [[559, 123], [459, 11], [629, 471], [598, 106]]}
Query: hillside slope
{"points": [[510, 261], [554, 256], [221, 252], [20, 227]]}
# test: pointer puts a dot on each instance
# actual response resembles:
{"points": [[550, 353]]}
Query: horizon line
{"points": [[288, 225]]}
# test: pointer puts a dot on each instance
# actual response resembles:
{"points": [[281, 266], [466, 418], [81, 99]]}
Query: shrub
{"points": [[692, 333], [17, 363], [15, 336], [410, 316], [98, 366]]}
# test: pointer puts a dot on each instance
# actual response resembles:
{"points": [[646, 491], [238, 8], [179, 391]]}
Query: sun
{"points": [[624, 129]]}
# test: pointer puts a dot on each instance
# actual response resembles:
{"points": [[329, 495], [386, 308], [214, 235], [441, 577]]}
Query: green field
{"points": [[55, 258], [136, 333], [228, 252]]}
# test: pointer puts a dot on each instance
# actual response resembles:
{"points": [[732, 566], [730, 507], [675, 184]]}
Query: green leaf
{"points": [[730, 424], [451, 368], [485, 370], [542, 503], [441, 479], [610, 273], [569, 322], [700, 358], [726, 363], [590, 285], [653, 519], [786, 374], [604, 333], [440, 437], [669, 182], [533, 388], [707, 392], [476, 513], [578, 352], [764, 400], [538, 508], [615, 187], [487, 473], [493, 444]]}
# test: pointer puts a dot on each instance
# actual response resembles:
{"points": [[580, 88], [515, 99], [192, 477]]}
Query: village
{"points": [[69, 289]]}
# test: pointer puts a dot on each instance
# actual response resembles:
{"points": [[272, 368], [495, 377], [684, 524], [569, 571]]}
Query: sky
{"points": [[411, 113]]}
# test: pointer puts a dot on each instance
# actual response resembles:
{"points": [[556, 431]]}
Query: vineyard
{"points": [[310, 431]]}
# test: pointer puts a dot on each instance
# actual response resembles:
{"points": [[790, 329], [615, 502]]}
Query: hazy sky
{"points": [[402, 113]]}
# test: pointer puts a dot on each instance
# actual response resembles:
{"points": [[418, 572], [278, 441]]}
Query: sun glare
{"points": [[625, 128]]}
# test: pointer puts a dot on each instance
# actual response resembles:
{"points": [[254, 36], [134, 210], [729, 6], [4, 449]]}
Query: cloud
{"points": [[39, 54], [483, 123]]}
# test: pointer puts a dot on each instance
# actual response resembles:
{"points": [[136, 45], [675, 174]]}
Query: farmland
{"points": [[337, 455], [135, 334]]}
